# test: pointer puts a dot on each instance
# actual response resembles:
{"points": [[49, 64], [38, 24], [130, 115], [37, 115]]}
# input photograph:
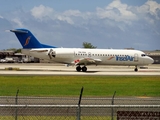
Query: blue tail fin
{"points": [[27, 39]]}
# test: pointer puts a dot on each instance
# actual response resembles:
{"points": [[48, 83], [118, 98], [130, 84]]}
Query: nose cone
{"points": [[150, 60]]}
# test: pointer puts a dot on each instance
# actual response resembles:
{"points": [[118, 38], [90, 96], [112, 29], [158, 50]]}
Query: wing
{"points": [[85, 61]]}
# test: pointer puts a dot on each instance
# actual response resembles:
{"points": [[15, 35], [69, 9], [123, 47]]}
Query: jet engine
{"points": [[51, 54]]}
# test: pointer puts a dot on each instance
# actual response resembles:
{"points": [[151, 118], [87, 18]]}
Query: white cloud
{"points": [[74, 16], [151, 7], [1, 17], [41, 11], [148, 12], [72, 13], [18, 22], [65, 18], [116, 11]]}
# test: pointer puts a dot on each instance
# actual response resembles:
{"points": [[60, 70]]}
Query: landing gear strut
{"points": [[84, 68]]}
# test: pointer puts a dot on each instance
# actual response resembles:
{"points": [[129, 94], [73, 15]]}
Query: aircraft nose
{"points": [[150, 61]]}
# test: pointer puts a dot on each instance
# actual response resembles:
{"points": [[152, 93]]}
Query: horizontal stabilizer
{"points": [[38, 50], [19, 31]]}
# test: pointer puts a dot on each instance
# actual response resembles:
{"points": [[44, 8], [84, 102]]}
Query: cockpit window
{"points": [[143, 55]]}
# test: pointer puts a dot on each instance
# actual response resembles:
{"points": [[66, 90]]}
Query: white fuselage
{"points": [[107, 56]]}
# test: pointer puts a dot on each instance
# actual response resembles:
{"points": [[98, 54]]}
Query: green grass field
{"points": [[148, 86]]}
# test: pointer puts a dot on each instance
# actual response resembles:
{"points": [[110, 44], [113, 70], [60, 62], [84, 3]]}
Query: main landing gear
{"points": [[79, 68]]}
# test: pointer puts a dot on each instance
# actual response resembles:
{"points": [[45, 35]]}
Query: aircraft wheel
{"points": [[84, 69], [78, 68], [136, 69]]}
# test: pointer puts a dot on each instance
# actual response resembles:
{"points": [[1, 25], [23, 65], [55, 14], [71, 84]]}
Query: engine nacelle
{"points": [[51, 53], [60, 53]]}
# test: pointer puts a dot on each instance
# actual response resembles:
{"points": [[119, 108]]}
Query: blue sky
{"points": [[104, 23]]}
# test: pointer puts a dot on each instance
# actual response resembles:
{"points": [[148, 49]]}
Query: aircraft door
{"points": [[89, 54], [135, 57]]}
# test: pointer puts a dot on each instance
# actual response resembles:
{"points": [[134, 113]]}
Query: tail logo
{"points": [[27, 41]]}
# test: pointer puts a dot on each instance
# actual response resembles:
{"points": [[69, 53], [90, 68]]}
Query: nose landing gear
{"points": [[136, 69]]}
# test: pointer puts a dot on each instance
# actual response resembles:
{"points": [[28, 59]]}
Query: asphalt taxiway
{"points": [[60, 69]]}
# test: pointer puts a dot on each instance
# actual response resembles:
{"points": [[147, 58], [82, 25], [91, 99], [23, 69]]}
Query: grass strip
{"points": [[148, 86]]}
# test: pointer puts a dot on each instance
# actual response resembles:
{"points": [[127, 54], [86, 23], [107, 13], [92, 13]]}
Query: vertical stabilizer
{"points": [[27, 39]]}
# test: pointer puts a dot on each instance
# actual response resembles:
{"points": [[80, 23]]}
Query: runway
{"points": [[60, 69]]}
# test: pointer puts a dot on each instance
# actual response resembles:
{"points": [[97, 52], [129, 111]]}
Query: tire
{"points": [[78, 68], [84, 69]]}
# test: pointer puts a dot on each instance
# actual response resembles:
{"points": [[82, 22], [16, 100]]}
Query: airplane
{"points": [[80, 56]]}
